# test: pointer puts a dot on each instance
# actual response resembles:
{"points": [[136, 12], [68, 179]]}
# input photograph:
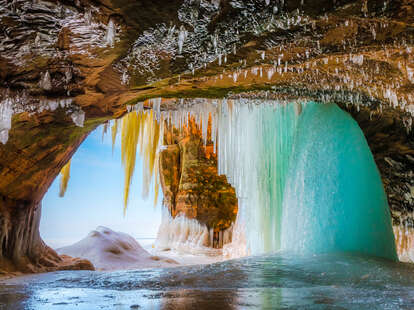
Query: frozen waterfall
{"points": [[334, 198], [304, 176], [306, 181]]}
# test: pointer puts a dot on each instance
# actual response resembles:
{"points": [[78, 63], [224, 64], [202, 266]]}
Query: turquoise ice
{"points": [[334, 200]]}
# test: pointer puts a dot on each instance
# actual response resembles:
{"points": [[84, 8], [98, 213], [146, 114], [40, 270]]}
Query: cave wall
{"points": [[38, 147], [392, 144]]}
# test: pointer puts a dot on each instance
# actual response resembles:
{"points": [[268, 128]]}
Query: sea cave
{"points": [[206, 154]]}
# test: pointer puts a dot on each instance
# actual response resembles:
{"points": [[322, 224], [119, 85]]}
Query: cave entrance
{"points": [[195, 148], [104, 207], [227, 170]]}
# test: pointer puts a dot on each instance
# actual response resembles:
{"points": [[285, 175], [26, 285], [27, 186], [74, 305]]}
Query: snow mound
{"points": [[111, 250]]}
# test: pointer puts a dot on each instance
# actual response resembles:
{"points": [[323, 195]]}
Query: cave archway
{"points": [[31, 168]]}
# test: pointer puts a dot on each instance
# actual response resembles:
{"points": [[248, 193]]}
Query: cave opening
{"points": [[84, 212], [215, 159], [219, 139]]}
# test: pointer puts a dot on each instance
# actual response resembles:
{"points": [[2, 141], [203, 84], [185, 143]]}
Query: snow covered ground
{"points": [[110, 250]]}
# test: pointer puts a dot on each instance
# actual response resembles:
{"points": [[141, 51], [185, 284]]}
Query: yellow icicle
{"points": [[64, 179], [114, 132], [130, 132], [141, 128]]}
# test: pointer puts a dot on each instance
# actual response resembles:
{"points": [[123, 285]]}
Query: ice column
{"points": [[255, 144], [110, 33], [334, 199], [6, 113]]}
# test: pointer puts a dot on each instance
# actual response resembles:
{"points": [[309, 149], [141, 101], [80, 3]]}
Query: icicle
{"points": [[143, 129], [270, 73], [64, 179], [110, 33], [88, 16], [410, 74], [114, 132], [53, 105], [37, 40], [68, 75], [78, 118], [182, 35], [125, 78], [156, 106], [6, 113], [45, 82]]}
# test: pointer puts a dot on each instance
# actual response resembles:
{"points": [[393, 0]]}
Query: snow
{"points": [[110, 250], [78, 117]]}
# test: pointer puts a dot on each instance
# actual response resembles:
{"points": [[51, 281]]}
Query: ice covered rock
{"points": [[110, 250], [78, 118]]}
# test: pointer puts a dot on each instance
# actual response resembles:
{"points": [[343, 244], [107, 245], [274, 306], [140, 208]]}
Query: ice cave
{"points": [[206, 154]]}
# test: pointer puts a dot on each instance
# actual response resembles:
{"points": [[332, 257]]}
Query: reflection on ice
{"points": [[335, 281]]}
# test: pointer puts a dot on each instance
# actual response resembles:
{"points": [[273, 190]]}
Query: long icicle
{"points": [[130, 133], [143, 129], [114, 132], [64, 179]]}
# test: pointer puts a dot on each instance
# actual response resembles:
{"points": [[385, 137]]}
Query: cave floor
{"points": [[279, 281]]}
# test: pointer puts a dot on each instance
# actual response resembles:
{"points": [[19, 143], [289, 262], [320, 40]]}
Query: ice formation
{"points": [[142, 128], [19, 102], [45, 82], [404, 240], [290, 159], [110, 33], [334, 198], [110, 250], [255, 144], [186, 236], [41, 40], [78, 117], [182, 35], [64, 179], [6, 113]]}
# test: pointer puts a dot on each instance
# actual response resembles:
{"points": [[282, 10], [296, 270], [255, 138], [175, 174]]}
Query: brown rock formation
{"points": [[22, 248], [36, 151], [191, 184]]}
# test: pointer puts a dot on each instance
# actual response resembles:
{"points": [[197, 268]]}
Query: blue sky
{"points": [[95, 197]]}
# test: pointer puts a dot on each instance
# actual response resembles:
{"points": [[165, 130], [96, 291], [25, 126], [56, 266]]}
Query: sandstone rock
{"points": [[63, 41], [191, 184]]}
